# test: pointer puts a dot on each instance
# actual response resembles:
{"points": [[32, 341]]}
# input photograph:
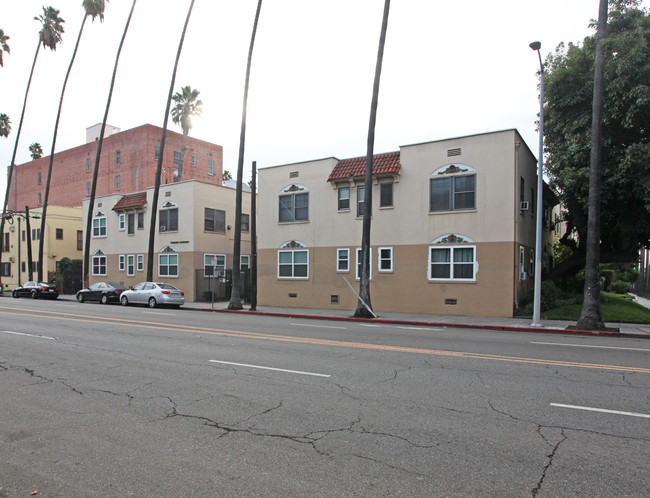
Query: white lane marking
{"points": [[160, 313], [601, 410], [318, 326], [369, 325], [36, 336], [588, 346], [419, 328], [269, 368]]}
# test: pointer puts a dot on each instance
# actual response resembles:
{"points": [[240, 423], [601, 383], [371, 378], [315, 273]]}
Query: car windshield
{"points": [[167, 287], [116, 285]]}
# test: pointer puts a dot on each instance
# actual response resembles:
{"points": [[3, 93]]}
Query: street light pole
{"points": [[537, 297]]}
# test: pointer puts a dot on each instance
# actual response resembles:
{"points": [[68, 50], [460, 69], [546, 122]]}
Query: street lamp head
{"points": [[535, 45]]}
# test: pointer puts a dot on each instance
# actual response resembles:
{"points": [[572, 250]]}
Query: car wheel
{"points": [[80, 298], [104, 299], [124, 301], [14, 294], [34, 295], [152, 302]]}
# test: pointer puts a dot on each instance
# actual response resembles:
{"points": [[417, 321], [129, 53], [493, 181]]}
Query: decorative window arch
{"points": [[293, 203], [293, 244], [452, 238], [451, 169]]}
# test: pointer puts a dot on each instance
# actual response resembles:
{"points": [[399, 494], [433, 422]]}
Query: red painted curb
{"points": [[511, 328]]}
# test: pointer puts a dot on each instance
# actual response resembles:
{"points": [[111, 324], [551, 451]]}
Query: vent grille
{"points": [[453, 152], [168, 194], [451, 302], [293, 174]]}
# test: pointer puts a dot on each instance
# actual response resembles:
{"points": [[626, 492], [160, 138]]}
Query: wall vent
{"points": [[293, 174], [168, 193], [451, 302], [334, 299], [453, 152], [293, 294]]}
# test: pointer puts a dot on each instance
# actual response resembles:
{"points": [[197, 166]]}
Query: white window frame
{"points": [[218, 267], [122, 222], [130, 265], [247, 264], [99, 227], [121, 262], [211, 167], [140, 262], [450, 263], [168, 256], [293, 263], [380, 259], [357, 265], [341, 199], [346, 260], [99, 262]]}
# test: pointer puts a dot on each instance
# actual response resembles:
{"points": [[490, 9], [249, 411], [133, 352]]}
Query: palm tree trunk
{"points": [[179, 178], [93, 188], [591, 316], [235, 298], [364, 307], [49, 167], [28, 228], [12, 165], [156, 191]]}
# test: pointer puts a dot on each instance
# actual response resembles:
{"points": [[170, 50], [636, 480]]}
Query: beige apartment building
{"points": [[62, 238], [194, 235], [453, 228]]}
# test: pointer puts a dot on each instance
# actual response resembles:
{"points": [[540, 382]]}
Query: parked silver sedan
{"points": [[153, 294]]}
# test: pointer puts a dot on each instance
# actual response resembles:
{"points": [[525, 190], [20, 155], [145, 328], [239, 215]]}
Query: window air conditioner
{"points": [[11, 259], [524, 205], [522, 275], [163, 228]]}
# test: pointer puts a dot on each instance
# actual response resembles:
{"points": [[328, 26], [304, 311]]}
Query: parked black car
{"points": [[104, 292], [36, 290]]}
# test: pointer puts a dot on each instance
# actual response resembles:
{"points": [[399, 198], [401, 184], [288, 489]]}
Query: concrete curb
{"points": [[511, 328]]}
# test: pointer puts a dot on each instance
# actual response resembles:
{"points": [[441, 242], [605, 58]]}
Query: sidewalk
{"points": [[512, 324]]}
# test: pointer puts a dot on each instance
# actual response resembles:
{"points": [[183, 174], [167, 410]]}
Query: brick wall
{"points": [[137, 168]]}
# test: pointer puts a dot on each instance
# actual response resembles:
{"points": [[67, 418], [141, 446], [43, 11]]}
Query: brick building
{"points": [[128, 164]]}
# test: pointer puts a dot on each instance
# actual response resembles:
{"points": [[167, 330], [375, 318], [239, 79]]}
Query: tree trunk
{"points": [[364, 307], [235, 298], [591, 316], [49, 167], [179, 177], [12, 165], [156, 191], [93, 188]]}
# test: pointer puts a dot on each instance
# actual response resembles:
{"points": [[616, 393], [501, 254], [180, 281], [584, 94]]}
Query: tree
{"points": [[235, 298], [36, 150], [227, 175], [49, 36], [5, 125], [93, 9], [100, 142], [187, 105], [163, 136], [364, 307], [569, 93], [4, 46]]}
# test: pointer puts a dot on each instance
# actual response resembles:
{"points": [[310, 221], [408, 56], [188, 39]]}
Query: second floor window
{"points": [[245, 222], [344, 198], [294, 207], [130, 223], [99, 227], [214, 220], [452, 194], [168, 220], [385, 194], [59, 234], [361, 197]]}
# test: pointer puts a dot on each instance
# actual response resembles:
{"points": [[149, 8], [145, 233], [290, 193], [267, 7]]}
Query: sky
{"points": [[450, 69]]}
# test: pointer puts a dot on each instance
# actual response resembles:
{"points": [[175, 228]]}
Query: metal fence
{"points": [[218, 287]]}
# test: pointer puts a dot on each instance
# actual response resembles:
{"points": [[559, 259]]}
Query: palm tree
{"points": [[93, 188], [187, 105], [5, 125], [4, 46], [36, 150], [163, 136], [227, 175], [49, 36], [93, 9], [364, 308], [235, 298], [591, 317]]}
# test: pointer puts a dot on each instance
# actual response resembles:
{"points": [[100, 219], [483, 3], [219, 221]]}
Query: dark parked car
{"points": [[104, 292], [36, 290]]}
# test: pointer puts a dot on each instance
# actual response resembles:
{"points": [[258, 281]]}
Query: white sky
{"points": [[450, 69]]}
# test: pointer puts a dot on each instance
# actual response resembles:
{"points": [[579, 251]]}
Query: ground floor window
{"points": [[385, 259], [140, 262], [121, 262], [99, 265], [130, 265], [358, 272], [213, 263], [293, 264], [244, 262], [168, 265], [452, 263], [343, 260]]}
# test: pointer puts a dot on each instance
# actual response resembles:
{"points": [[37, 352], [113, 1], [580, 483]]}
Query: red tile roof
{"points": [[131, 201], [383, 164]]}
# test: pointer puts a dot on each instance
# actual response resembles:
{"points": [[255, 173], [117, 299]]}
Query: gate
{"points": [[218, 287]]}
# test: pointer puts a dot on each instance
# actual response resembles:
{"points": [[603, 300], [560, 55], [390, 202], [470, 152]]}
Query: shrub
{"points": [[620, 287]]}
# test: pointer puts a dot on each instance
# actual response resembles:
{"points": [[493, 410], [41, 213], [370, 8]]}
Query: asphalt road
{"points": [[111, 401]]}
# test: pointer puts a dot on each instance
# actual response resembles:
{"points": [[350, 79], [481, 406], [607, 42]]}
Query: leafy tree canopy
{"points": [[625, 193]]}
